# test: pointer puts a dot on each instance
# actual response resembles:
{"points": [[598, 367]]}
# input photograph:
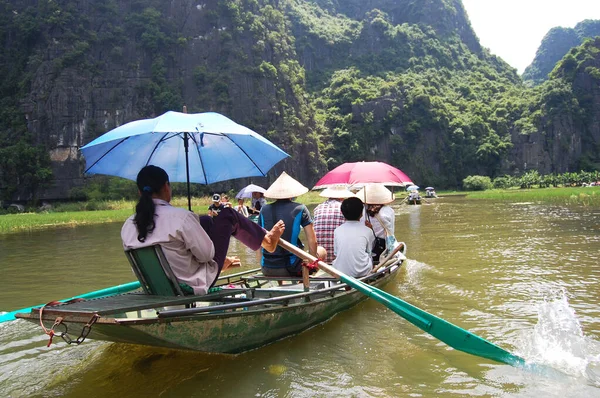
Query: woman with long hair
{"points": [[196, 248]]}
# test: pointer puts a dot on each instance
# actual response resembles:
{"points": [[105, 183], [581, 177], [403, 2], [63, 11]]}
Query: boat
{"points": [[410, 201], [430, 193], [243, 311]]}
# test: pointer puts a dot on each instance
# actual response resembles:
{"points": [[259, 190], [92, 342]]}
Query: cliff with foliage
{"points": [[77, 69], [330, 81], [555, 45]]}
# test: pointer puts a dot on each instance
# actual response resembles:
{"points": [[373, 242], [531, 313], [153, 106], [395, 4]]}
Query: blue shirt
{"points": [[295, 216]]}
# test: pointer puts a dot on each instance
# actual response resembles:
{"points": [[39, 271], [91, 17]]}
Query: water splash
{"points": [[558, 341]]}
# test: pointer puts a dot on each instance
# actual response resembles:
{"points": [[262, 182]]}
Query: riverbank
{"points": [[567, 196], [67, 215]]}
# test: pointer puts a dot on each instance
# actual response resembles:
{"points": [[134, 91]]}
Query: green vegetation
{"points": [[477, 183], [583, 196], [73, 214], [405, 82], [555, 45]]}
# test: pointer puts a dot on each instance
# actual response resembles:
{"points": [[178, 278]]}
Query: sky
{"points": [[514, 29]]}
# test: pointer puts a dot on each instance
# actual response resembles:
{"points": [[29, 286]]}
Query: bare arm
{"points": [[311, 237]]}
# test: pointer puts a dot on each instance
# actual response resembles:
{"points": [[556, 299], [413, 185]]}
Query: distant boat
{"points": [[430, 192]]}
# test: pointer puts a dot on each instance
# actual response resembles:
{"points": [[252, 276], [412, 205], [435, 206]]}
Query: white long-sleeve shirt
{"points": [[186, 245]]}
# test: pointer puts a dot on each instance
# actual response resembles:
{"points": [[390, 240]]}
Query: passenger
{"points": [[353, 241], [328, 216], [216, 206], [196, 248], [242, 208], [295, 216], [258, 201], [380, 217]]}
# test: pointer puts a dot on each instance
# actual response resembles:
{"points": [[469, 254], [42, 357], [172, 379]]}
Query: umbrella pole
{"points": [[186, 145]]}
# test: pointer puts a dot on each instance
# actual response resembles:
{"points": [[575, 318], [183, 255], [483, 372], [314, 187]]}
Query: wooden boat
{"points": [[413, 201], [246, 310]]}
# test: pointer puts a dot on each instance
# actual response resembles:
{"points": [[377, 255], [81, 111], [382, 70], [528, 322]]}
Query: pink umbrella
{"points": [[363, 173]]}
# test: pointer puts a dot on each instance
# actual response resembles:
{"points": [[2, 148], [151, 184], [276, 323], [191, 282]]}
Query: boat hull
{"points": [[227, 332]]}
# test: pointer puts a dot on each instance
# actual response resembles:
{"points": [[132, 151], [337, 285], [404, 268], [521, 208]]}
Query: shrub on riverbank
{"points": [[477, 183]]}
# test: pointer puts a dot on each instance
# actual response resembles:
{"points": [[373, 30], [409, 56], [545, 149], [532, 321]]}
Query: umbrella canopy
{"points": [[362, 173], [412, 188], [429, 188], [203, 148], [246, 192]]}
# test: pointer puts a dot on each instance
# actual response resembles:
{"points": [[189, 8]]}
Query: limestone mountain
{"points": [[555, 45], [329, 81]]}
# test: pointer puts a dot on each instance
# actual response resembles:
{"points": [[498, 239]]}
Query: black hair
{"points": [[352, 209], [150, 180]]}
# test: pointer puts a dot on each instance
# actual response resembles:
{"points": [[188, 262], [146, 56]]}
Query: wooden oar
{"points": [[454, 336], [109, 291], [384, 260]]}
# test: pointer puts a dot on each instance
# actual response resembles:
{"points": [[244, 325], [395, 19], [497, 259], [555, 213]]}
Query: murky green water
{"points": [[521, 275]]}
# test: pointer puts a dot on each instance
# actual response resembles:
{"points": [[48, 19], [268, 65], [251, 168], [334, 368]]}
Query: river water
{"points": [[522, 275]]}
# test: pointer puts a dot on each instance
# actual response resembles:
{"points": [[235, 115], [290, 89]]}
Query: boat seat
{"points": [[154, 272]]}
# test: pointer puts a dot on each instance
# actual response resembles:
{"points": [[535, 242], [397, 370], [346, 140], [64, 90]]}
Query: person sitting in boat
{"points": [[414, 195], [430, 192], [328, 216], [258, 201], [295, 216], [216, 206], [353, 241], [242, 208], [379, 216], [196, 248]]}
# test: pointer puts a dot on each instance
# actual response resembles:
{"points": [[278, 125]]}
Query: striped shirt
{"points": [[328, 216]]}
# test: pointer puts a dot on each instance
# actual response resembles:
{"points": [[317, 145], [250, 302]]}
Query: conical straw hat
{"points": [[337, 192], [285, 187], [375, 194]]}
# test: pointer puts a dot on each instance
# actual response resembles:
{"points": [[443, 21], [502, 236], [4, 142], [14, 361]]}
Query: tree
{"points": [[24, 169]]}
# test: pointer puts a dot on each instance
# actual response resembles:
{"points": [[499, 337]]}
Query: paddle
{"points": [[109, 291], [454, 336]]}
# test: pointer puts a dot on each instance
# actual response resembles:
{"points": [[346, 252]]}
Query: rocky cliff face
{"points": [[402, 81], [568, 136], [97, 65], [555, 45]]}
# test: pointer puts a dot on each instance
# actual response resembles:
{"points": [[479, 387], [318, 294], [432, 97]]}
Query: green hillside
{"points": [[330, 81]]}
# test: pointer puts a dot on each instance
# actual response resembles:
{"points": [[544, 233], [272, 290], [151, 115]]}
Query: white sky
{"points": [[514, 29]]}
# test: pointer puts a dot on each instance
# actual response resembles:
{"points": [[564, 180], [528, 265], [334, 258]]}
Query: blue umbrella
{"points": [[412, 188], [203, 148]]}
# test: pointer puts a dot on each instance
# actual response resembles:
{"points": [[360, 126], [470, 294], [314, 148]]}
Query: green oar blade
{"points": [[454, 336]]}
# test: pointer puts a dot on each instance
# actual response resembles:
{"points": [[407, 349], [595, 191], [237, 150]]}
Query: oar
{"points": [[454, 336], [109, 291]]}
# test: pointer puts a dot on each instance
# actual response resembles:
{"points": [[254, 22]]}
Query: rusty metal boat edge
{"points": [[246, 318]]}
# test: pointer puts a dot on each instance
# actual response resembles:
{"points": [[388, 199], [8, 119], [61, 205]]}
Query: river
{"points": [[522, 275]]}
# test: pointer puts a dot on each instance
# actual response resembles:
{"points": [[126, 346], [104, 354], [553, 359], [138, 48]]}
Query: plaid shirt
{"points": [[328, 216]]}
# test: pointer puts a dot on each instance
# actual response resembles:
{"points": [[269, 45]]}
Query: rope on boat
{"points": [[312, 266], [50, 332], [59, 321]]}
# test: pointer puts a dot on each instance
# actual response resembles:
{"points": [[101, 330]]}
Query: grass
{"points": [[82, 213], [72, 214], [569, 196]]}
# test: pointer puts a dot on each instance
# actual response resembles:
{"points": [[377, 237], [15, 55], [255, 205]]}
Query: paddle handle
{"points": [[302, 254]]}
